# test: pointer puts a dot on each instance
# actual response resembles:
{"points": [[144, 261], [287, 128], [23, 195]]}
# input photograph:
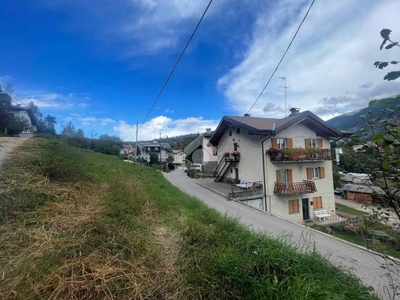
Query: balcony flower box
{"points": [[226, 154], [235, 153], [273, 150]]}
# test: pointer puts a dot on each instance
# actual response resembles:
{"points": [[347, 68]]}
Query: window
{"points": [[281, 143], [317, 202], [155, 148], [294, 206], [235, 147], [315, 173], [313, 143], [284, 176], [238, 130], [230, 133]]}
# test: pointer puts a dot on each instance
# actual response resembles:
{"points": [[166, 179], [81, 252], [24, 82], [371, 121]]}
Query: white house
{"points": [[26, 113], [290, 157], [161, 149], [200, 151], [179, 156]]}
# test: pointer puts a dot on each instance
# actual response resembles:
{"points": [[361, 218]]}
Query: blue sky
{"points": [[102, 63]]}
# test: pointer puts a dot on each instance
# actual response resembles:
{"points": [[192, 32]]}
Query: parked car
{"points": [[338, 191], [197, 167]]}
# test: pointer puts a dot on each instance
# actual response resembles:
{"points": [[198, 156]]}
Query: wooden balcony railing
{"points": [[304, 187], [297, 155]]}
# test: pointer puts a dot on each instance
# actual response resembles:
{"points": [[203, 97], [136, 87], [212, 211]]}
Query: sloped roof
{"points": [[362, 188], [272, 126], [195, 144]]}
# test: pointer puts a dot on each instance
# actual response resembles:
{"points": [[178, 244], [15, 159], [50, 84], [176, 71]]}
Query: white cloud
{"points": [[164, 126], [332, 58], [95, 121]]}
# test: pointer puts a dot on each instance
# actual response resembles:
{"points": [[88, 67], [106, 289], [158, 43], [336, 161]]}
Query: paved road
{"points": [[7, 144], [362, 263]]}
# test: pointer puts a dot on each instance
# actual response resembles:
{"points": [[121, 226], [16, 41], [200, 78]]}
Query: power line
{"points": [[283, 56], [177, 62]]}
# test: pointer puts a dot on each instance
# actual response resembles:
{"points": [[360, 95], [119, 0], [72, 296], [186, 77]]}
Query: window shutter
{"points": [[293, 206], [273, 142], [309, 173], [317, 202], [297, 205], [289, 174], [306, 143], [289, 143], [278, 176], [321, 172], [320, 144]]}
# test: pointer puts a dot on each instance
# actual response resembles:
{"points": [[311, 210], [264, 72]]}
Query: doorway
{"points": [[306, 209]]}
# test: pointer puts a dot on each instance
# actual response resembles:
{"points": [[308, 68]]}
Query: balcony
{"points": [[296, 188], [302, 155]]}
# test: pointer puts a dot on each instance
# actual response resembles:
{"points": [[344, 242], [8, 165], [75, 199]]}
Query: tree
{"points": [[35, 110], [383, 154], [69, 129], [385, 34]]}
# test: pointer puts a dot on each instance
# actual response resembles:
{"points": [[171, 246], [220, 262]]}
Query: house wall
{"points": [[24, 114], [209, 153], [250, 165], [179, 158], [279, 205]]}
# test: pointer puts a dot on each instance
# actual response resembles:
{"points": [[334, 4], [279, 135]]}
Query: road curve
{"points": [[372, 269]]}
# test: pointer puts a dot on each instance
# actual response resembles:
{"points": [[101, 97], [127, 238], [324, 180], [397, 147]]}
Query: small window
{"points": [[238, 130], [281, 143], [155, 148], [317, 202], [294, 206], [315, 173], [230, 133]]}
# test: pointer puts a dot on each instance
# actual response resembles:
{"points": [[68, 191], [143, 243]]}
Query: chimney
{"points": [[208, 130], [294, 111]]}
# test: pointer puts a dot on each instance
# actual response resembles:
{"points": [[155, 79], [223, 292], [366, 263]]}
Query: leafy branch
{"points": [[385, 34]]}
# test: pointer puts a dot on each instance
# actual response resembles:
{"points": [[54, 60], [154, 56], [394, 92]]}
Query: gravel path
{"points": [[7, 144], [372, 269]]}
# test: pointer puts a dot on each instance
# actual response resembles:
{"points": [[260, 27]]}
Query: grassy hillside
{"points": [[82, 225]]}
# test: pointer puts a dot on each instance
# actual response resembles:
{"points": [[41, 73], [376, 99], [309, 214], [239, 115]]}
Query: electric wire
{"points": [[283, 56], [177, 62]]}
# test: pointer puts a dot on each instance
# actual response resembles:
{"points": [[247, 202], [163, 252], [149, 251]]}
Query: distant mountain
{"points": [[352, 121]]}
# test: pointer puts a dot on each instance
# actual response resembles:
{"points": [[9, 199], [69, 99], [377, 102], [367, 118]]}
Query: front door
{"points": [[306, 209], [236, 174]]}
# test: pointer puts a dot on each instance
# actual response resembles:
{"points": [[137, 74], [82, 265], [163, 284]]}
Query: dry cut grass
{"points": [[82, 239]]}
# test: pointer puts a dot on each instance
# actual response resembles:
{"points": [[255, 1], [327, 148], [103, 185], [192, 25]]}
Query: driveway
{"points": [[371, 268], [7, 144]]}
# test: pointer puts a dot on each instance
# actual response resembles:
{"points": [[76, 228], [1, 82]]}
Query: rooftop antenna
{"points": [[284, 87]]}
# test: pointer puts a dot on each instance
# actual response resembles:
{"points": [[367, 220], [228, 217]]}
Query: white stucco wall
{"points": [[250, 165], [179, 158], [278, 205], [208, 152]]}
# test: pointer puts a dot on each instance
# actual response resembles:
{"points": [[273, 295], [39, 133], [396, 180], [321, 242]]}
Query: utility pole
{"points": [[284, 87], [137, 132]]}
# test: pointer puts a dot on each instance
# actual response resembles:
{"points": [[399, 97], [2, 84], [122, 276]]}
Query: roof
{"points": [[34, 120], [195, 144], [271, 126], [362, 188], [176, 151], [356, 178]]}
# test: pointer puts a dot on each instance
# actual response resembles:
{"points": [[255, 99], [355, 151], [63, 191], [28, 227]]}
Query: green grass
{"points": [[350, 210], [124, 232]]}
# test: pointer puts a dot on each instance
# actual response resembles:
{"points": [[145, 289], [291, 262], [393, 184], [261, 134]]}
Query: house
{"points": [[200, 151], [356, 178], [362, 193], [127, 151], [179, 156], [26, 113], [161, 149], [290, 158]]}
